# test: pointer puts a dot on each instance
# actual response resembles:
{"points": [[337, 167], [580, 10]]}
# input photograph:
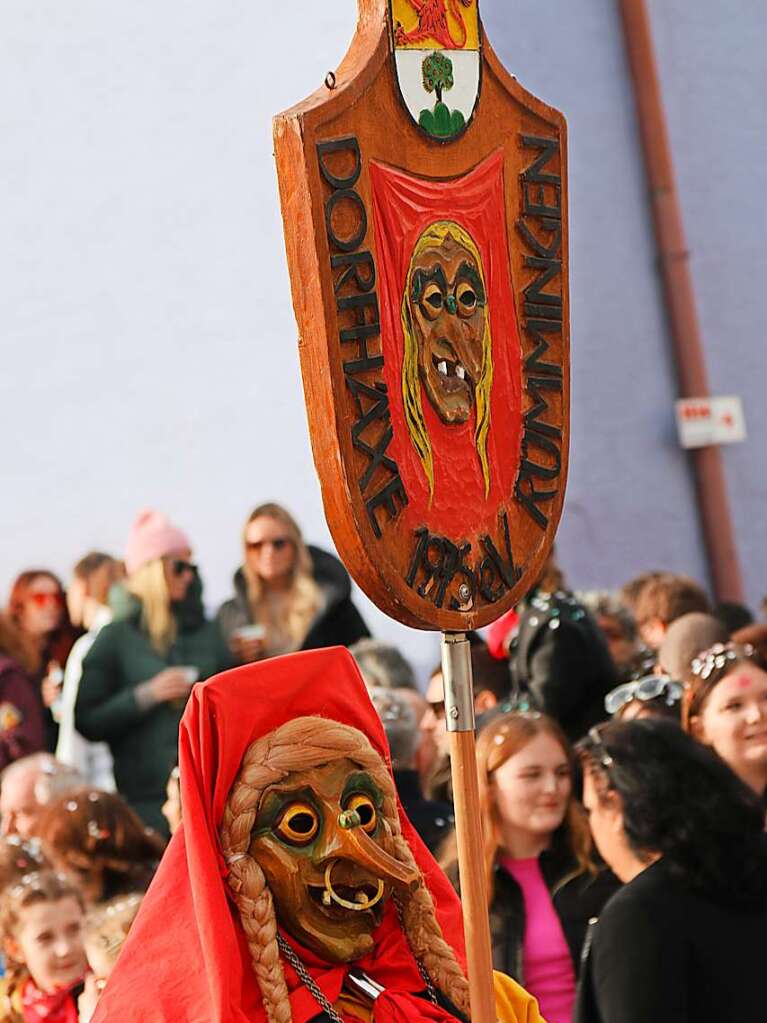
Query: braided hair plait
{"points": [[300, 745]]}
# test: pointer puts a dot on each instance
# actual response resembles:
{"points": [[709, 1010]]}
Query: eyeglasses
{"points": [[178, 567], [41, 598], [278, 544], [648, 688]]}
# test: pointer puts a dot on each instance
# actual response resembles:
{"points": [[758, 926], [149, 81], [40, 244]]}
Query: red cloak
{"points": [[186, 959]]}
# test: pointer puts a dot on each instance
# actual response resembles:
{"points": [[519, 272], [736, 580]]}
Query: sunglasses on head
{"points": [[651, 687], [279, 544], [179, 566], [41, 599]]}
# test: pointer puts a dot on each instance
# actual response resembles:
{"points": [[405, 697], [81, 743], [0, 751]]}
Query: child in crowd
{"points": [[106, 928], [41, 918]]}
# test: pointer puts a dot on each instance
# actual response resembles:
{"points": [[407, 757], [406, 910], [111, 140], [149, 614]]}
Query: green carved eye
{"points": [[298, 824], [366, 810]]}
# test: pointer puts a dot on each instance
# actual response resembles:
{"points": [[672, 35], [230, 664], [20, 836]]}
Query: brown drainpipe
{"points": [[713, 505]]}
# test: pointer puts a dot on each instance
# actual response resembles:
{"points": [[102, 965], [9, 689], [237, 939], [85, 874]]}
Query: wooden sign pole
{"points": [[459, 712], [424, 200]]}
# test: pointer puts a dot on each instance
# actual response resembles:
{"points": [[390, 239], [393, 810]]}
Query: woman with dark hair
{"points": [[683, 940], [98, 840], [288, 596], [21, 715], [37, 607], [542, 884], [725, 707]]}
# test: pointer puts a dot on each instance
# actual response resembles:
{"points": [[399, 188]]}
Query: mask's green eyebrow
{"points": [[422, 277], [469, 273], [361, 782]]}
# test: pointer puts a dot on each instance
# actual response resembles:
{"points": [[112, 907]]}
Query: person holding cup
{"points": [[140, 670], [288, 596]]}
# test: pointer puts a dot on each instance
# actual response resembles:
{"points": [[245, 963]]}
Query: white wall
{"points": [[148, 339]]}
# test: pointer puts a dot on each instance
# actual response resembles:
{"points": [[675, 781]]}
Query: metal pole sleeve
{"points": [[713, 505], [457, 682]]}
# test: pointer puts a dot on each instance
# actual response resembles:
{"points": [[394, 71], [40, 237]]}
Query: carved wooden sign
{"points": [[425, 207]]}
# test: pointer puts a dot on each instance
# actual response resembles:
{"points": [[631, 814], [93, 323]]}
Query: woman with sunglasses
{"points": [[725, 707], [542, 884], [138, 674], [37, 607], [683, 940], [287, 596]]}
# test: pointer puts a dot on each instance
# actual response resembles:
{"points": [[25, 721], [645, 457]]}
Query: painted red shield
{"points": [[429, 279]]}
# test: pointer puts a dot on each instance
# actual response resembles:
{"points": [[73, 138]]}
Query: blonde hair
{"points": [[107, 924], [148, 584], [303, 598], [504, 736], [435, 235], [301, 745]]}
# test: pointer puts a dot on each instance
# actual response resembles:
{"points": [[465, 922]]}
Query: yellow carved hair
{"points": [[433, 236]]}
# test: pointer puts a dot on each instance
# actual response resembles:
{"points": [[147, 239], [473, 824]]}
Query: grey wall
{"points": [[147, 335], [631, 501]]}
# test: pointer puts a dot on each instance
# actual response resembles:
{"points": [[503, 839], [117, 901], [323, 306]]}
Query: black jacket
{"points": [[431, 819], [339, 623], [560, 658], [576, 895], [662, 954]]}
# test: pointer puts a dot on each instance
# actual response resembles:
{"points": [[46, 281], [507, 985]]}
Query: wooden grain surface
{"points": [[365, 104]]}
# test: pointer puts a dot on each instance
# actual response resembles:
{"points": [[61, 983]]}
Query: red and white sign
{"points": [[704, 421]]}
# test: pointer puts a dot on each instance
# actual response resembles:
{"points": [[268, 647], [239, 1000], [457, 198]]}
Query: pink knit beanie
{"points": [[151, 536]]}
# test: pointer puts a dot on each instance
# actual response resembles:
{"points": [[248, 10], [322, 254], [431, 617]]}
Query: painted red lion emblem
{"points": [[433, 24]]}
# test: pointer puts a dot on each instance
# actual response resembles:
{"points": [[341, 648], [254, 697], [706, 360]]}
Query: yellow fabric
{"points": [[512, 1003]]}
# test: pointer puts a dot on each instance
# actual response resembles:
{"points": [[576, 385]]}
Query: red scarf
{"points": [[48, 1007], [391, 964], [186, 958]]}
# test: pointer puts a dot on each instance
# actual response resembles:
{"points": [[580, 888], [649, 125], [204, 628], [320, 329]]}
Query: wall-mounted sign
{"points": [[424, 198], [704, 421]]}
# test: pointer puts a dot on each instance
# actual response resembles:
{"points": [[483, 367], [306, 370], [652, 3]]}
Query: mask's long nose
{"points": [[355, 845]]}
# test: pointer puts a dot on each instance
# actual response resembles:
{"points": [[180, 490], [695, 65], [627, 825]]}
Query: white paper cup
{"points": [[250, 632], [191, 674]]}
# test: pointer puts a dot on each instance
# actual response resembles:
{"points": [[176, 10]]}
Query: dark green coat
{"points": [[144, 742]]}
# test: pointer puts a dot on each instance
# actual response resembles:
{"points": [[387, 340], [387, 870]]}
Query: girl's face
{"points": [[49, 942], [179, 573], [43, 607], [532, 788], [734, 718], [269, 549]]}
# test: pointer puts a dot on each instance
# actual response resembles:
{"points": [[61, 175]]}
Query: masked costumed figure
{"points": [[295, 890]]}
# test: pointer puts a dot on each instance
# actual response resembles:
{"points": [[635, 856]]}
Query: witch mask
{"points": [[311, 827]]}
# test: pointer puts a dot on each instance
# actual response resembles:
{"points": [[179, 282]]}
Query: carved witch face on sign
{"points": [[447, 340]]}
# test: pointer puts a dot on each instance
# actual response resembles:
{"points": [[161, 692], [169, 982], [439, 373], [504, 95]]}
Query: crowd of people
{"points": [[622, 761]]}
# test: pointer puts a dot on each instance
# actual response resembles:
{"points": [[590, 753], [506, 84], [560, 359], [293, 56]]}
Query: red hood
{"points": [[186, 959]]}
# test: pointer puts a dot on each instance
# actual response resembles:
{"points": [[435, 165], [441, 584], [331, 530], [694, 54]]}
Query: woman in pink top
{"points": [[543, 887]]}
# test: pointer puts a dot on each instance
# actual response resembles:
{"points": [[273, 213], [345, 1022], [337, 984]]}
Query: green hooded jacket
{"points": [[143, 739]]}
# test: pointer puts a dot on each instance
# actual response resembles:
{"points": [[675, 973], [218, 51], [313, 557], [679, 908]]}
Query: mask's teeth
{"points": [[442, 368], [460, 371]]}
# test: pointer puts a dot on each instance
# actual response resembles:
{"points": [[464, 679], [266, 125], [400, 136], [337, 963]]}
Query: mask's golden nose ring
{"points": [[362, 901]]}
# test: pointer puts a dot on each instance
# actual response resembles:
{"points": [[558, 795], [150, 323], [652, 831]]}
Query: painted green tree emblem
{"points": [[437, 74]]}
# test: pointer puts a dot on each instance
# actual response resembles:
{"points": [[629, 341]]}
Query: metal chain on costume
{"points": [[306, 978], [430, 989]]}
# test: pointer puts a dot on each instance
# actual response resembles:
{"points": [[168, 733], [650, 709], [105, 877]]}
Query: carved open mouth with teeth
{"points": [[361, 894], [454, 370]]}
